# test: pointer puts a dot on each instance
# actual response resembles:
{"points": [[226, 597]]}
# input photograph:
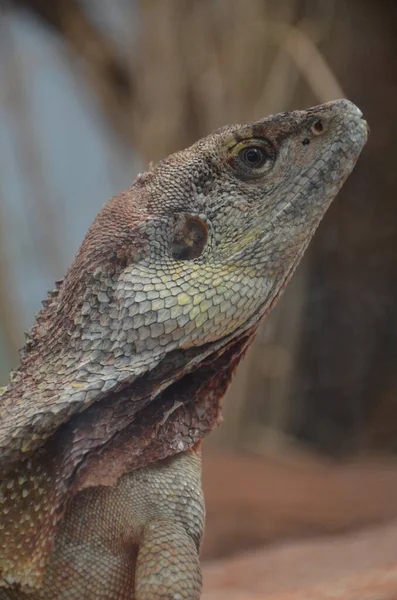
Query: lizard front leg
{"points": [[167, 566]]}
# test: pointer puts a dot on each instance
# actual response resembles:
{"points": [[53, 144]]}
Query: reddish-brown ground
{"points": [[320, 531]]}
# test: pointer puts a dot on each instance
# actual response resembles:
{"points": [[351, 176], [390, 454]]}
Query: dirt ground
{"points": [[299, 529], [347, 567]]}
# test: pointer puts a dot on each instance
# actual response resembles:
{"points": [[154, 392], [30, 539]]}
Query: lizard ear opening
{"points": [[190, 238]]}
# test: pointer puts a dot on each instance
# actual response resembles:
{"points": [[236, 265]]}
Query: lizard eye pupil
{"points": [[253, 157]]}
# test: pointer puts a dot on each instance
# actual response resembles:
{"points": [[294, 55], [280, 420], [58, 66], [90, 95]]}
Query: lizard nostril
{"points": [[317, 127]]}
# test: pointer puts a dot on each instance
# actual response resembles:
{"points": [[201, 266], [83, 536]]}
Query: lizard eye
{"points": [[190, 237], [251, 159]]}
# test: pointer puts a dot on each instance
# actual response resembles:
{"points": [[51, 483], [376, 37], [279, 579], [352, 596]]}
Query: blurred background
{"points": [[91, 91]]}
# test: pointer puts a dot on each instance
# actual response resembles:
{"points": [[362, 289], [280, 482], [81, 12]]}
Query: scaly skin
{"points": [[150, 523], [125, 368]]}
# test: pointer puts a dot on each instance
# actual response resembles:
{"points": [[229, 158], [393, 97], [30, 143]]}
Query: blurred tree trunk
{"points": [[345, 389]]}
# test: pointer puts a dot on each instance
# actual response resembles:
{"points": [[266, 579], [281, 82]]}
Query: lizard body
{"points": [[125, 368]]}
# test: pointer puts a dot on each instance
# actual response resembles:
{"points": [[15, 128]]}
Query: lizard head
{"points": [[230, 217], [181, 265]]}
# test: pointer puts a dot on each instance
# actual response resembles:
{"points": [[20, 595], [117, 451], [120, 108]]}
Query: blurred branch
{"points": [[298, 56], [312, 65]]}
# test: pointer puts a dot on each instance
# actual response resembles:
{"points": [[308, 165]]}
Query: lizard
{"points": [[125, 368]]}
